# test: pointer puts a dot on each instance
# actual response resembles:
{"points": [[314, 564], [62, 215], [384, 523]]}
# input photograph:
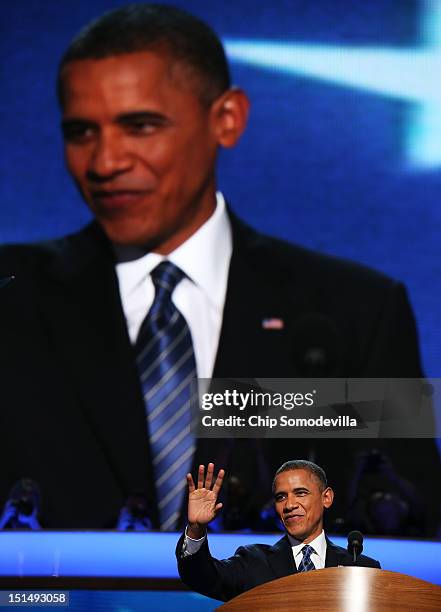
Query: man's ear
{"points": [[229, 114], [327, 497]]}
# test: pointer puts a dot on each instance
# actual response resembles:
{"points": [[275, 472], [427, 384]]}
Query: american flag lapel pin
{"points": [[273, 323]]}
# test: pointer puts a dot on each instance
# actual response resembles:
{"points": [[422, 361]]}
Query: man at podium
{"points": [[301, 495]]}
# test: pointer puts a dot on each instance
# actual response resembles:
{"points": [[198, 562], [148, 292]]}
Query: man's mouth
{"points": [[116, 198], [293, 518]]}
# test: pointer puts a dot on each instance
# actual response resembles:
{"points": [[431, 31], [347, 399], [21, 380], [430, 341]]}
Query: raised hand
{"points": [[202, 500]]}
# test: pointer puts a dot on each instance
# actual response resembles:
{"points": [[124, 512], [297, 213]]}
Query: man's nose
{"points": [[290, 503], [109, 158]]}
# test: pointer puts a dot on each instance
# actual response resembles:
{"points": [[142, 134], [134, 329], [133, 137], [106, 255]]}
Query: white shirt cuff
{"points": [[191, 546]]}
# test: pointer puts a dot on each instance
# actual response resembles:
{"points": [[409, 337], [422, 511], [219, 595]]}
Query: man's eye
{"points": [[78, 133], [141, 127]]}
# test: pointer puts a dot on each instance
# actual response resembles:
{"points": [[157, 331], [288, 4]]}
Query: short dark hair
{"points": [[303, 464], [143, 27]]}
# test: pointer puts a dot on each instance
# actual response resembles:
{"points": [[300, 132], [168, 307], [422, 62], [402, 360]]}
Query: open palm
{"points": [[202, 499]]}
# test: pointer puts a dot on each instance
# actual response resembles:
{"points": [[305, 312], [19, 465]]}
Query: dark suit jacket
{"points": [[250, 566], [72, 414]]}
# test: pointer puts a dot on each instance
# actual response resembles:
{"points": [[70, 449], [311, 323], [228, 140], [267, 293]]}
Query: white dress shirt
{"points": [[200, 297], [319, 545]]}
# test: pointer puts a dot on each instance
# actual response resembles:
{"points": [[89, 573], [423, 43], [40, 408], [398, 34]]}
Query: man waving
{"points": [[301, 495]]}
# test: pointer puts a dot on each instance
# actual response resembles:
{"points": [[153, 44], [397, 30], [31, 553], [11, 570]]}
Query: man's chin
{"points": [[130, 235], [298, 535]]}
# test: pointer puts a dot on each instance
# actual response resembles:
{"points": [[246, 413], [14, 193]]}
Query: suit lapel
{"points": [[86, 325], [335, 555], [281, 560], [255, 293]]}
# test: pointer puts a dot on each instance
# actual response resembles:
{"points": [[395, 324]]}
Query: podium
{"points": [[340, 589]]}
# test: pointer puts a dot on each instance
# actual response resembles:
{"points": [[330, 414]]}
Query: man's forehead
{"points": [[128, 67], [143, 72], [295, 479]]}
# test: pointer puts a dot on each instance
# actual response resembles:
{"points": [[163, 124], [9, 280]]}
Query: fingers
{"points": [[206, 481], [209, 477], [201, 471], [219, 480], [190, 483]]}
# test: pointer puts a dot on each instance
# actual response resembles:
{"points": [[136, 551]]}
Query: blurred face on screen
{"points": [[300, 502], [141, 146]]}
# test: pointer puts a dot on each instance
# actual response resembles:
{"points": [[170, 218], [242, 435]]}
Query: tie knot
{"points": [[307, 551], [166, 276]]}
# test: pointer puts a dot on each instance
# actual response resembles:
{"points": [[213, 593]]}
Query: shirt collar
{"points": [[204, 257], [318, 544]]}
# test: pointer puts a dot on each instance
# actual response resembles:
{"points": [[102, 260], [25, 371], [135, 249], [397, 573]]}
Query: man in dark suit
{"points": [[301, 494], [146, 103]]}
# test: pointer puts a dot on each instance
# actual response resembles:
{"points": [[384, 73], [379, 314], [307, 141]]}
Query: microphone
{"points": [[355, 544]]}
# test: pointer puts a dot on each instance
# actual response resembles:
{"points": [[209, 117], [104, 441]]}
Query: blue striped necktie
{"points": [[306, 565], [167, 367]]}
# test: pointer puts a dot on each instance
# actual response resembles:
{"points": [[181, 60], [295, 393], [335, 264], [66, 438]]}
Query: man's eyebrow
{"points": [[296, 490], [142, 116], [123, 119]]}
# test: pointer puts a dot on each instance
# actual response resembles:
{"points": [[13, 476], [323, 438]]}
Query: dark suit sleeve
{"points": [[364, 561], [203, 573]]}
